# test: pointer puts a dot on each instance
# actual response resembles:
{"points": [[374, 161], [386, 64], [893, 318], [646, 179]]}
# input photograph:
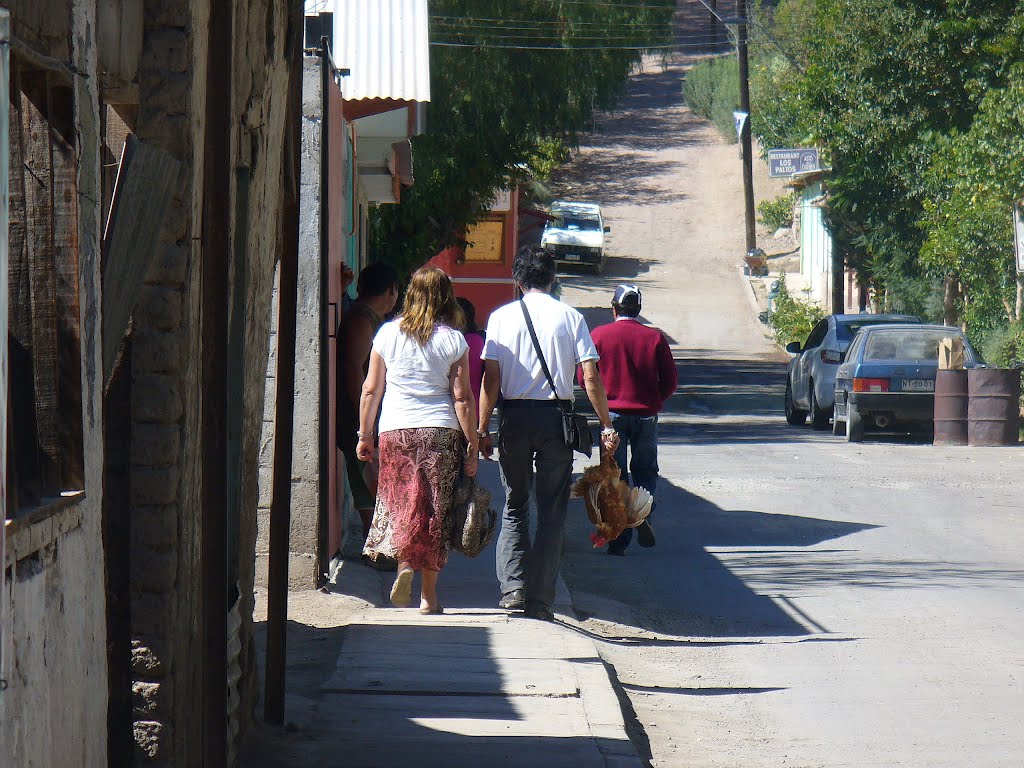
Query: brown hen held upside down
{"points": [[612, 505]]}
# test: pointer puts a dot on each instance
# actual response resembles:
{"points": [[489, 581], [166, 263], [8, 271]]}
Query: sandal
{"points": [[432, 610], [401, 590]]}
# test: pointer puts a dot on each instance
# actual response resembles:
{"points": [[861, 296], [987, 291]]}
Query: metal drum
{"points": [[993, 412], [951, 407]]}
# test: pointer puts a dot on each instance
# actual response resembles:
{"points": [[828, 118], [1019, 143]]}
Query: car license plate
{"points": [[918, 385], [571, 256]]}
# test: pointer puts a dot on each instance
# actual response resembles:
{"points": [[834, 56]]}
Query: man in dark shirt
{"points": [[639, 375], [378, 294]]}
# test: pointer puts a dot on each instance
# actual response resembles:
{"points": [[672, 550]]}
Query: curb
{"points": [[594, 681]]}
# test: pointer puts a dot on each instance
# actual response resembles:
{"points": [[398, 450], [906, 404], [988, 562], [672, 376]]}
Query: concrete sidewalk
{"points": [[475, 686]]}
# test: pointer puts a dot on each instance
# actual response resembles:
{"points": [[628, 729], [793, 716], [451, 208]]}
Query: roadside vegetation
{"points": [[507, 102], [792, 319], [778, 212], [916, 106], [712, 90]]}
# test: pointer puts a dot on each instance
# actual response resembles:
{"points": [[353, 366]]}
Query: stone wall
{"points": [[54, 709]]}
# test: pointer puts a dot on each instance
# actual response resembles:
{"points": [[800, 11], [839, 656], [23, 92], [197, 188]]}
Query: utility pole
{"points": [[745, 139]]}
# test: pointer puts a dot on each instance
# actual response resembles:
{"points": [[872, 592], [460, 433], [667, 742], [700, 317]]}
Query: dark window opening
{"points": [[45, 455]]}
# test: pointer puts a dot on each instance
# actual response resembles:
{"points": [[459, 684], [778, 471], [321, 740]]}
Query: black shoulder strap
{"points": [[536, 346]]}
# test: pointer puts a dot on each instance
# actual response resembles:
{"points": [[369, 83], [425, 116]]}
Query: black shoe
{"points": [[617, 551], [538, 611], [513, 601], [382, 563], [645, 534]]}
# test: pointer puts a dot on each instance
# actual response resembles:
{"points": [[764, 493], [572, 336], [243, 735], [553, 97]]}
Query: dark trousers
{"points": [[532, 453], [638, 434]]}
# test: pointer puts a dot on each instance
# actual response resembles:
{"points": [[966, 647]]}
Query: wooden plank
{"points": [[143, 191], [24, 487], [5, 106], [71, 461], [39, 236]]}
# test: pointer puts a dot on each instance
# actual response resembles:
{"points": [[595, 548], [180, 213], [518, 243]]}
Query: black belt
{"points": [[536, 403]]}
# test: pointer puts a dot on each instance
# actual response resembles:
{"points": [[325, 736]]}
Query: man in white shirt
{"points": [[530, 427]]}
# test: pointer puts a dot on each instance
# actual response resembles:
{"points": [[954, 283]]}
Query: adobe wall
{"points": [[54, 709]]}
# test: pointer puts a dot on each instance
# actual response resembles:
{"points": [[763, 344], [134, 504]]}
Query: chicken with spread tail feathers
{"points": [[612, 505]]}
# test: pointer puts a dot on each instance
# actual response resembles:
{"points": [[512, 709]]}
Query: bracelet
{"points": [[361, 435], [608, 431]]}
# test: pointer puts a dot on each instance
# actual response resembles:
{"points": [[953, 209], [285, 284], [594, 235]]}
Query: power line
{"points": [[486, 36], [671, 46], [559, 33]]}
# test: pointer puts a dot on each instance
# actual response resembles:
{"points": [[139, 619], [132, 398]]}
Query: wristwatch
{"points": [[482, 433]]}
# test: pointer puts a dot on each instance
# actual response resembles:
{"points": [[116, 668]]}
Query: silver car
{"points": [[811, 379]]}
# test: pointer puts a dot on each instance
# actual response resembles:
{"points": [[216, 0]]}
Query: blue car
{"points": [[811, 378], [887, 379]]}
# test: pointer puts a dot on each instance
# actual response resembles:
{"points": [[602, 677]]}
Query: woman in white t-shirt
{"points": [[419, 364]]}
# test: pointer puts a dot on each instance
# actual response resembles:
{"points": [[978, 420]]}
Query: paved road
{"points": [[810, 602]]}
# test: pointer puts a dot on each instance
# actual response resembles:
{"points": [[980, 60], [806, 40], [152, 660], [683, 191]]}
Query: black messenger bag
{"points": [[575, 428]]}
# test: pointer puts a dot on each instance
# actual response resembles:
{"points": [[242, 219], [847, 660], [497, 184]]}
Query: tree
{"points": [[497, 110], [886, 83]]}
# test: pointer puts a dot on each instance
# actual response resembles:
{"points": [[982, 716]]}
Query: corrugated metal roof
{"points": [[384, 43]]}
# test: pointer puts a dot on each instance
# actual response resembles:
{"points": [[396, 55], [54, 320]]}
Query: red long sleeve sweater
{"points": [[636, 366]]}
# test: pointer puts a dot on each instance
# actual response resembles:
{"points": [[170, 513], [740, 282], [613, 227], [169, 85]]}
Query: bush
{"points": [[790, 318], [1004, 347], [778, 212], [712, 90]]}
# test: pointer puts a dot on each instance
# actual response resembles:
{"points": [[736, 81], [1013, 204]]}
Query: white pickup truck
{"points": [[576, 234]]}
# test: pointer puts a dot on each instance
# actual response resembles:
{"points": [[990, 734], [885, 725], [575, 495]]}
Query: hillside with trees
{"points": [[918, 106], [513, 82]]}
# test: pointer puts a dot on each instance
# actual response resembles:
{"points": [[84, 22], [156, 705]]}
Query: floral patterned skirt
{"points": [[412, 520]]}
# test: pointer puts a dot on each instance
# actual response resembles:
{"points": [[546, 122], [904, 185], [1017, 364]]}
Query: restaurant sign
{"points": [[787, 162]]}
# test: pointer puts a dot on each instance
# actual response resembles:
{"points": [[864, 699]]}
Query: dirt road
{"points": [[671, 190]]}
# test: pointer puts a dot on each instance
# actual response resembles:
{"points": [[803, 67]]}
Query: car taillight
{"points": [[870, 385], [831, 356]]}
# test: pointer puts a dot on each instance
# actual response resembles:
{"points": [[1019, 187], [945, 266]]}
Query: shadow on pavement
{"points": [[679, 587]]}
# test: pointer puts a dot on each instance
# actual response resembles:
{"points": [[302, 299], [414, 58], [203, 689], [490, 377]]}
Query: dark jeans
{"points": [[529, 437], [640, 435]]}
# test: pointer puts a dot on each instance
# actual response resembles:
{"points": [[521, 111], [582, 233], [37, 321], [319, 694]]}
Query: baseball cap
{"points": [[627, 296]]}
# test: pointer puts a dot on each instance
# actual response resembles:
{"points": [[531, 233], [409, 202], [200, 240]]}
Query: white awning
{"points": [[385, 46]]}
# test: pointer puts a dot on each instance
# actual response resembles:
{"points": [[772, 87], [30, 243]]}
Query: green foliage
{"points": [[792, 319], [1004, 347], [499, 114], [917, 106], [975, 180], [712, 90], [778, 212]]}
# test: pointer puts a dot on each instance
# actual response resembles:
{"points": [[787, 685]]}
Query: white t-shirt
{"points": [[564, 338], [418, 388]]}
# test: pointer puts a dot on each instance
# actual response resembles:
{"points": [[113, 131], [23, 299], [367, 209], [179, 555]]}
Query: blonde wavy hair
{"points": [[429, 300]]}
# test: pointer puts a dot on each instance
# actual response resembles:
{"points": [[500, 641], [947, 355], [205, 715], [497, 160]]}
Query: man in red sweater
{"points": [[639, 375]]}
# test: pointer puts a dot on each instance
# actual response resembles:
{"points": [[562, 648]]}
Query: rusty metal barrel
{"points": [[993, 411], [951, 398]]}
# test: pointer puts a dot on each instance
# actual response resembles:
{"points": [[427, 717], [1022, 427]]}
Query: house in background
{"points": [[816, 244]]}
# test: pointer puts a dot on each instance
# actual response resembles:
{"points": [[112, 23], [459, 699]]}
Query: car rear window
{"points": [[910, 345], [846, 331]]}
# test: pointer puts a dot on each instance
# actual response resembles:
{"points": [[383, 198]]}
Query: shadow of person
{"points": [[682, 588]]}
